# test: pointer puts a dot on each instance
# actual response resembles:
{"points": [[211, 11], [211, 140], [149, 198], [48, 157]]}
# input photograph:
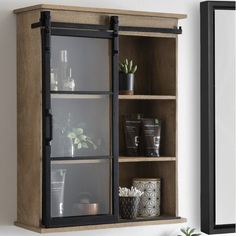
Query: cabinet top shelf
{"points": [[99, 10]]}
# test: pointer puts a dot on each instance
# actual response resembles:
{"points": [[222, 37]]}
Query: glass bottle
{"points": [[54, 82], [63, 68], [69, 82], [69, 147]]}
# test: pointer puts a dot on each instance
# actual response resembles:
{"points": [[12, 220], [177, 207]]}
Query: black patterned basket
{"points": [[129, 207]]}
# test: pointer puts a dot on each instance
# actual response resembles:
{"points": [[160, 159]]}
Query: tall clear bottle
{"points": [[69, 147], [63, 68]]}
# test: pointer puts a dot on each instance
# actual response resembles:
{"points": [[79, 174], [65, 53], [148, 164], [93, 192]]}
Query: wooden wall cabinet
{"points": [[95, 40]]}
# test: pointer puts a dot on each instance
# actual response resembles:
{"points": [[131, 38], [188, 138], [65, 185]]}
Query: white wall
{"points": [[189, 112]]}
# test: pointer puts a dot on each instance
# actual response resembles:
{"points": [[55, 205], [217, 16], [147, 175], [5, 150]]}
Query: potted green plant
{"points": [[127, 70], [189, 232]]}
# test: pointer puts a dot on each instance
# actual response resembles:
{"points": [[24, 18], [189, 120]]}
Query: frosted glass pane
{"points": [[81, 189], [88, 58], [81, 125]]}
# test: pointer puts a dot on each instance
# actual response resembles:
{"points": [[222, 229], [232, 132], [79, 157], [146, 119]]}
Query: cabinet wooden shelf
{"points": [[81, 52], [77, 96], [121, 223], [145, 159], [121, 159], [157, 218], [68, 162], [147, 97]]}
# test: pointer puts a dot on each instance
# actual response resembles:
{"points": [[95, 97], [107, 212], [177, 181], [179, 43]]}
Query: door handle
{"points": [[49, 127]]}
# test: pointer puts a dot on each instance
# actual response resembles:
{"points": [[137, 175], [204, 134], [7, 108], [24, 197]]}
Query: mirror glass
{"points": [[225, 118]]}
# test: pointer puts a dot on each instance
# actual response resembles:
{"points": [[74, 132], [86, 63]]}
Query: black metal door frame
{"points": [[47, 30], [46, 113], [208, 211]]}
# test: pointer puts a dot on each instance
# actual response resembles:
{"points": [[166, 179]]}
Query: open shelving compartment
{"points": [[156, 60], [155, 96]]}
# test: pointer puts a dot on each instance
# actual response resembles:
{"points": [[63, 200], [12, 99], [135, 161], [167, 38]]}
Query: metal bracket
{"points": [[115, 27], [152, 30], [46, 22]]}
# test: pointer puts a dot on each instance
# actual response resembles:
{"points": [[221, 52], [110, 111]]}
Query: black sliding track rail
{"points": [[57, 26], [81, 33], [151, 29]]}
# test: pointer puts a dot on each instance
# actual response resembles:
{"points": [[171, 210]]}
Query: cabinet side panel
{"points": [[29, 121], [176, 130]]}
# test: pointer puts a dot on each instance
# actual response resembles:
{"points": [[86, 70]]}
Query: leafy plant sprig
{"points": [[128, 67], [80, 139], [189, 232]]}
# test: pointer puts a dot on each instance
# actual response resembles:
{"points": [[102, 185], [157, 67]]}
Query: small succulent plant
{"points": [[189, 232], [128, 67], [80, 139]]}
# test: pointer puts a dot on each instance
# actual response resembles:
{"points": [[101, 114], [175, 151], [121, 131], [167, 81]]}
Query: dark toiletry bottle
{"points": [[132, 134], [151, 135]]}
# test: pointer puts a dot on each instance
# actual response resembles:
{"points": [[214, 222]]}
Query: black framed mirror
{"points": [[218, 117]]}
